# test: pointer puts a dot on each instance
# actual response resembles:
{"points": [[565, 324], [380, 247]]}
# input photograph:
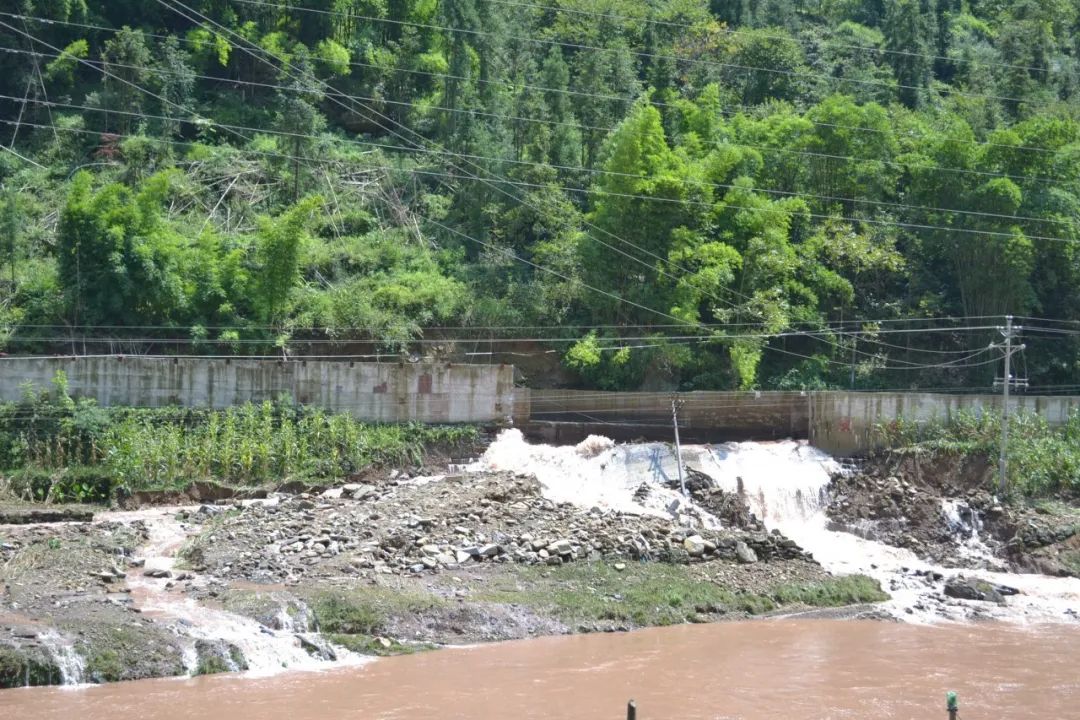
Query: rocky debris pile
{"points": [[908, 512], [731, 509], [941, 507], [423, 525], [1047, 545]]}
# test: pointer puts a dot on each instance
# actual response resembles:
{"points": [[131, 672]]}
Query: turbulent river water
{"points": [[1024, 667], [797, 670]]}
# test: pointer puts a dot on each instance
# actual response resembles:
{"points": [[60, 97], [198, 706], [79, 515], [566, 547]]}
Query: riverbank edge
{"points": [[112, 641]]}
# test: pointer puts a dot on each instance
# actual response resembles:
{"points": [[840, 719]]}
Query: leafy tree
{"points": [[127, 62], [298, 119], [10, 222], [281, 244], [176, 84], [910, 29], [119, 260]]}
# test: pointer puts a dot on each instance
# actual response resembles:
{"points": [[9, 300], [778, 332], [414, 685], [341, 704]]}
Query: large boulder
{"points": [[965, 588], [694, 545], [744, 553]]}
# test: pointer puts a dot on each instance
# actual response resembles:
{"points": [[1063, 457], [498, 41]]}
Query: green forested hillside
{"points": [[683, 193]]}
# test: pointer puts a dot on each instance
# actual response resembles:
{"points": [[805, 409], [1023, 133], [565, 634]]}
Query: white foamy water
{"points": [[594, 473], [785, 485], [72, 665], [266, 650], [967, 528]]}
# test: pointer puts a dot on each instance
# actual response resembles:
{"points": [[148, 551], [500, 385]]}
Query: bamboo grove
{"points": [[663, 194]]}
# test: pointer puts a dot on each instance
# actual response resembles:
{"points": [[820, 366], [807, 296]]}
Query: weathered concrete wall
{"points": [[435, 393], [570, 415], [842, 423]]}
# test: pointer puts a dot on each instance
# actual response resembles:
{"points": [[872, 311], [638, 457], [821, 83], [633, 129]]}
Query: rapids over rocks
{"points": [[759, 488], [786, 486]]}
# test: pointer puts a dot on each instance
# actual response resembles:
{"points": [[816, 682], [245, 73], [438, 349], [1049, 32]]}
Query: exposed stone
{"points": [[744, 553], [694, 545], [560, 547], [971, 588]]}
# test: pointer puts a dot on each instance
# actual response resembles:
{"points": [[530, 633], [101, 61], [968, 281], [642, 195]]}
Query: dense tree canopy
{"points": [[662, 194]]}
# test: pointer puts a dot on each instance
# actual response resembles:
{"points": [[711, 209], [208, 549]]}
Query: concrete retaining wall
{"points": [[842, 423], [434, 393], [571, 415]]}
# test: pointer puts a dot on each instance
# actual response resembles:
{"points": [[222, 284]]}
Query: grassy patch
{"points": [[365, 610], [642, 595], [19, 668], [833, 592], [658, 594], [211, 665], [369, 645], [1071, 560], [128, 653], [347, 614]]}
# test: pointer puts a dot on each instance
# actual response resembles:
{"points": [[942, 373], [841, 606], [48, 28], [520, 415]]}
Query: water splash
{"points": [[966, 525], [265, 650], [785, 484], [71, 664]]}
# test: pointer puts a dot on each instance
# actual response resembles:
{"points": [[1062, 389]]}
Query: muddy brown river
{"points": [[802, 670]]}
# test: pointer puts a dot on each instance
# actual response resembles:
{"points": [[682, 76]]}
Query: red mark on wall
{"points": [[380, 389], [845, 425], [423, 384]]}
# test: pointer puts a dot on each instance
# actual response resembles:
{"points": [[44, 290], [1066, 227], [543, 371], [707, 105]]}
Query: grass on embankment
{"points": [[580, 596], [648, 594], [56, 448], [1044, 461], [355, 618]]}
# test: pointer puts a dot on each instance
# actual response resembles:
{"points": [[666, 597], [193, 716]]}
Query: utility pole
{"points": [[854, 345], [1007, 382], [676, 403]]}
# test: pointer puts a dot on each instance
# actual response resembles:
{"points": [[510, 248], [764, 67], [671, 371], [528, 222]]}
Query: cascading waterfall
{"points": [[967, 526], [265, 650], [72, 665], [785, 484]]}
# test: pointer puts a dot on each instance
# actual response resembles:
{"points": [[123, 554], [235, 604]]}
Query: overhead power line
{"points": [[238, 129], [816, 326], [22, 157]]}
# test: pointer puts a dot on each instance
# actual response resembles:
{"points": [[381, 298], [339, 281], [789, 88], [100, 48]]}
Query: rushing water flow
{"points": [[803, 670], [265, 650], [794, 670], [785, 485], [72, 665]]}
